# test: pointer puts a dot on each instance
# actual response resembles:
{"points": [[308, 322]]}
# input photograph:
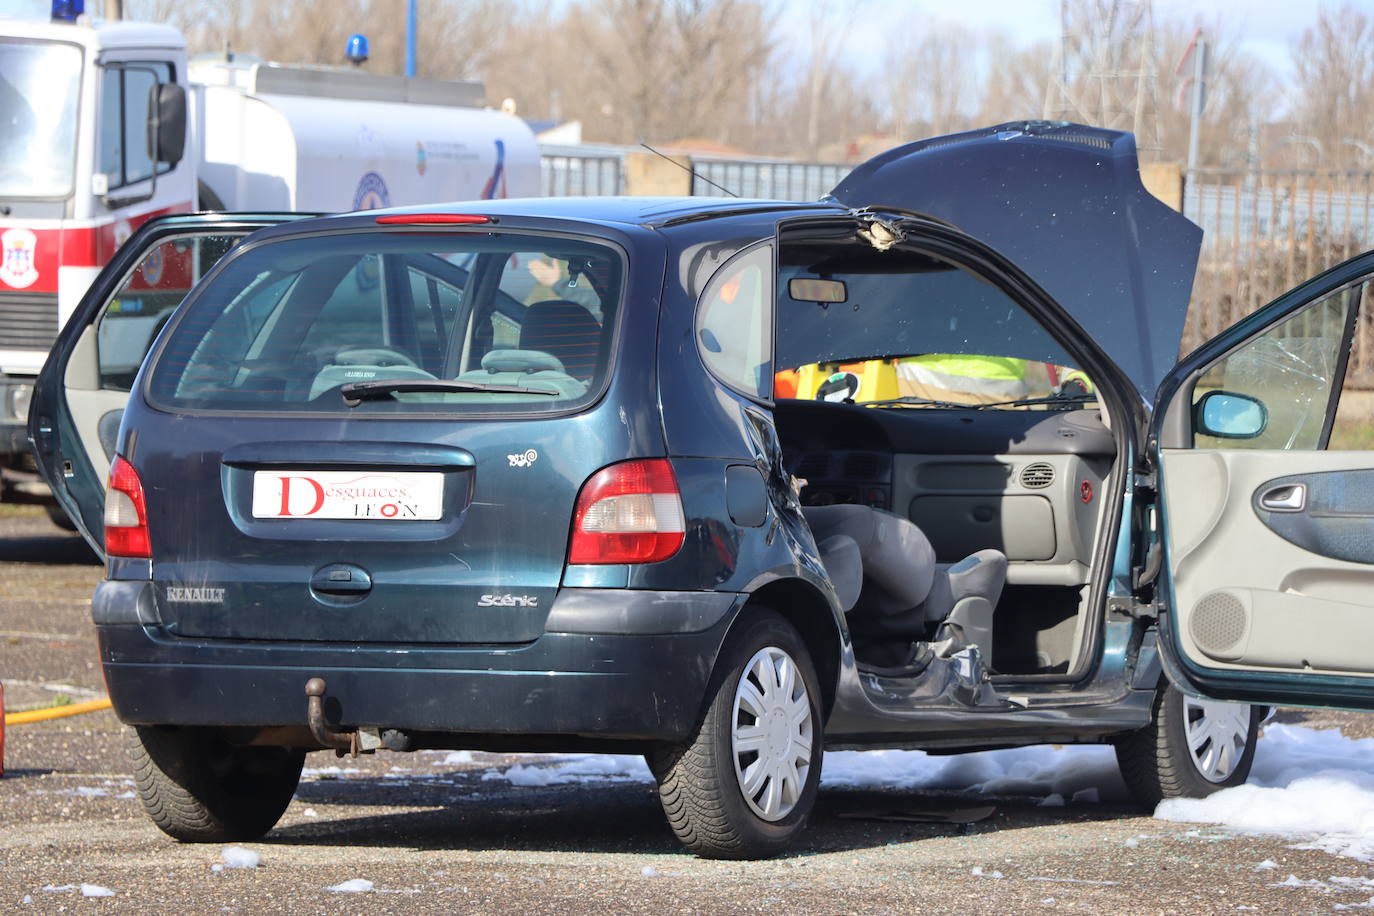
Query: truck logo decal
{"points": [[371, 193], [496, 184], [508, 601], [523, 459], [19, 267], [186, 594], [152, 267]]}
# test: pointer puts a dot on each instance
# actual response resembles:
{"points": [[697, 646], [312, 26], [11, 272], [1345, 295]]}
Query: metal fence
{"points": [[579, 174], [595, 171], [799, 181], [1266, 232]]}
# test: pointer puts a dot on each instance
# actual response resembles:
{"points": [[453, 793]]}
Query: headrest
{"points": [[521, 361]]}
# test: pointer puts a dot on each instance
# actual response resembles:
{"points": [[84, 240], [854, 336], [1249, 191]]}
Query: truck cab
{"points": [[94, 128]]}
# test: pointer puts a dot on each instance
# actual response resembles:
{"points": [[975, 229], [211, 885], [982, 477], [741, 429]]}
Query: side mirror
{"points": [[806, 289], [167, 130], [1227, 415]]}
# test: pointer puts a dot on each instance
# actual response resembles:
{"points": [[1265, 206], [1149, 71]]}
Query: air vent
{"points": [[1037, 476], [861, 466], [813, 466]]}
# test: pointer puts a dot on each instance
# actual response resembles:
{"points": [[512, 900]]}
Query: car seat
{"points": [[565, 330], [885, 575]]}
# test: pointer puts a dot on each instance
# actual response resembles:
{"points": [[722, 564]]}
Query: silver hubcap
{"points": [[772, 734], [1217, 734]]}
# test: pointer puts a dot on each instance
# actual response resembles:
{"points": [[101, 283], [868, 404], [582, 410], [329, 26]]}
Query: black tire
{"points": [[1156, 763], [698, 784], [58, 516], [198, 788]]}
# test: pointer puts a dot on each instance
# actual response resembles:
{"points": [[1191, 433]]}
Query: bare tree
{"points": [[1333, 93], [932, 81]]}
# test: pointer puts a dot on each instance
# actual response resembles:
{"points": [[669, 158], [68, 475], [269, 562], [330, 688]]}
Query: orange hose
{"points": [[56, 712]]}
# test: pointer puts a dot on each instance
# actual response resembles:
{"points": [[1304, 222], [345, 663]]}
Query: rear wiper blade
{"points": [[354, 393], [1022, 402], [1051, 399], [914, 401]]}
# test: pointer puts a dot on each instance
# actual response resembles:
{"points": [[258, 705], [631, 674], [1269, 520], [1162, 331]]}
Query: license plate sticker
{"points": [[380, 495]]}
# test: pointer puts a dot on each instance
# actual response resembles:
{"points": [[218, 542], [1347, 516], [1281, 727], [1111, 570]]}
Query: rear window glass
{"points": [[397, 322]]}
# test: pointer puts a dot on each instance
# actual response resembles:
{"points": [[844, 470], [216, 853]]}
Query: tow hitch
{"points": [[360, 741]]}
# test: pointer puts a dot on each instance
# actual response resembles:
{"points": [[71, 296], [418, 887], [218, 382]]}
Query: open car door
{"points": [[79, 398], [1266, 483]]}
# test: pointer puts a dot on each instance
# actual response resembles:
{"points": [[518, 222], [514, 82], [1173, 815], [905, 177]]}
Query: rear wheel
{"points": [[1192, 748], [745, 785], [200, 789]]}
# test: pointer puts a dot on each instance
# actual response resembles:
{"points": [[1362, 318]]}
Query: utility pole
{"points": [[1198, 99], [114, 10], [410, 38]]}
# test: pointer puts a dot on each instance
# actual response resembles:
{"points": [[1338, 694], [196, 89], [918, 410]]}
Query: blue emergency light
{"points": [[67, 10], [356, 50]]}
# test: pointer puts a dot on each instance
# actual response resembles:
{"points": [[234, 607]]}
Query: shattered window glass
{"points": [[1291, 369]]}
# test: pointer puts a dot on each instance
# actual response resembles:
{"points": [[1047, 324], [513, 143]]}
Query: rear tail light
{"points": [[628, 513], [126, 514]]}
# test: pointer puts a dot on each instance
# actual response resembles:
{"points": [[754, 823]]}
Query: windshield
{"points": [[39, 90], [396, 322], [904, 328]]}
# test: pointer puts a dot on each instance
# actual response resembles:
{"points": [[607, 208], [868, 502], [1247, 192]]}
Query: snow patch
{"points": [[354, 886], [1082, 773], [95, 890], [459, 758], [238, 857], [1316, 786], [577, 768], [648, 872], [977, 872]]}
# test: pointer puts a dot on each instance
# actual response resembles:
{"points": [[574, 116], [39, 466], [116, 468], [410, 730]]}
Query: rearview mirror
{"points": [[1228, 415], [808, 289]]}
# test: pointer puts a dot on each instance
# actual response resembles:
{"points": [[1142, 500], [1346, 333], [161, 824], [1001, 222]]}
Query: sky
{"points": [[1265, 28]]}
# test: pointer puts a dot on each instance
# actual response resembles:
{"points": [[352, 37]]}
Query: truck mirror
{"points": [[168, 100]]}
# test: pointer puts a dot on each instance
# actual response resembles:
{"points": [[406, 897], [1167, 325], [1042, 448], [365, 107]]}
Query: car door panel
{"points": [[1292, 608], [1267, 591], [81, 393]]}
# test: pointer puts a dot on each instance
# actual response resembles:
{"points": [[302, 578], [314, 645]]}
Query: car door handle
{"points": [[1288, 497]]}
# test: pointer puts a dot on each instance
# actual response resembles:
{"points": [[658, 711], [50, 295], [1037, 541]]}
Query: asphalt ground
{"points": [[434, 836]]}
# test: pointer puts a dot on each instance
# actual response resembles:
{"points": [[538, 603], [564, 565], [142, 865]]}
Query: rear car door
{"points": [[1265, 451], [81, 393]]}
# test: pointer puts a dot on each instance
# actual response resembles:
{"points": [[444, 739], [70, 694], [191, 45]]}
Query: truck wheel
{"points": [[745, 785], [199, 789], [1192, 748]]}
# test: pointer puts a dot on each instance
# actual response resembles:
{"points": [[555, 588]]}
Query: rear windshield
{"points": [[397, 322]]}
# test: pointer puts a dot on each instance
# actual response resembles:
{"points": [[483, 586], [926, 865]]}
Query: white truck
{"points": [[105, 124]]}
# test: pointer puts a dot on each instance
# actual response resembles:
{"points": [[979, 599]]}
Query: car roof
{"points": [[633, 211]]}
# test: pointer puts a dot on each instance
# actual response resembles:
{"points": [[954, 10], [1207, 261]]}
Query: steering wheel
{"points": [[373, 356]]}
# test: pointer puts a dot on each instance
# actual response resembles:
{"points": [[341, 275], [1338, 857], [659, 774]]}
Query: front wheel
{"points": [[1192, 748], [199, 788], [745, 785]]}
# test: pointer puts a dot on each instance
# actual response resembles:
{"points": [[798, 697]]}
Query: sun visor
{"points": [[1065, 203]]}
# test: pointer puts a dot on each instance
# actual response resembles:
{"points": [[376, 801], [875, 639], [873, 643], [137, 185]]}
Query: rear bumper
{"points": [[633, 686]]}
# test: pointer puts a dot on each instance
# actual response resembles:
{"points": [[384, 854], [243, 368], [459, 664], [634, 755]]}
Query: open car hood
{"points": [[1064, 202]]}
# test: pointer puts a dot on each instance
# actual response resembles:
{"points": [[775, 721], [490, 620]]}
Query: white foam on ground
{"points": [[1313, 786]]}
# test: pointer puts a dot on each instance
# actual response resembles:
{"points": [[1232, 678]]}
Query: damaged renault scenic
{"points": [[725, 483]]}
